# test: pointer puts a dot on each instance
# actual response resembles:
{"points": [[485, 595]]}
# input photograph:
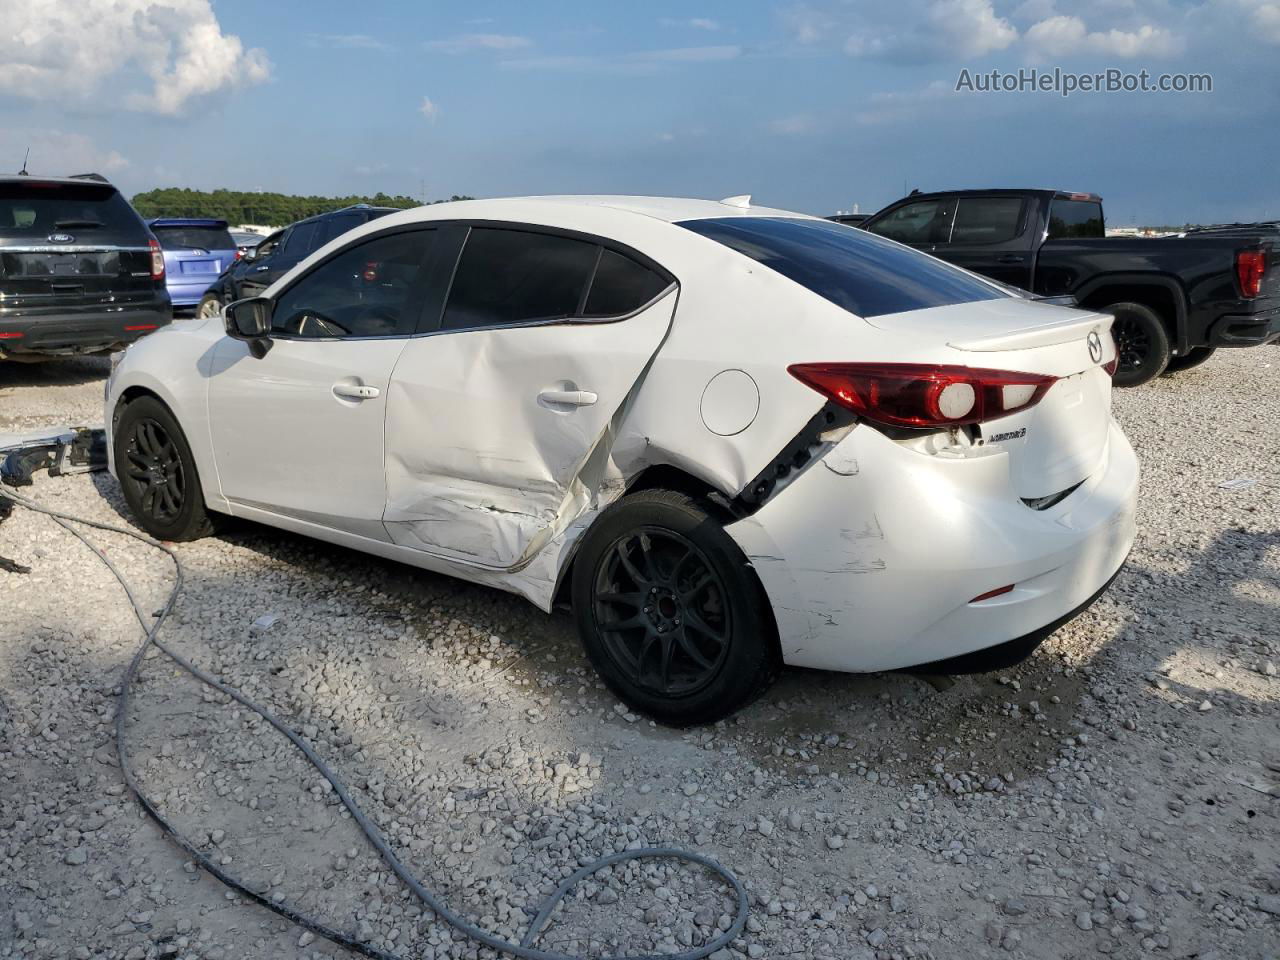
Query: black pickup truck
{"points": [[1175, 299]]}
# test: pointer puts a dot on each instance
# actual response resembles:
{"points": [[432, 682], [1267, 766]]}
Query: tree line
{"points": [[239, 206]]}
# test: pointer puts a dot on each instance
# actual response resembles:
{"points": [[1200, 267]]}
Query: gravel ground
{"points": [[1116, 794]]}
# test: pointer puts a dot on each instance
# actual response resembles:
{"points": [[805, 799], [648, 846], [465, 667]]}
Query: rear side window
{"points": [[89, 212], [303, 239], [513, 276], [986, 219], [188, 238], [925, 221], [1075, 218], [621, 286], [338, 225], [362, 292], [853, 269]]}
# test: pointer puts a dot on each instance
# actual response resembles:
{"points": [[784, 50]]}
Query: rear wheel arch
{"points": [[1164, 295]]}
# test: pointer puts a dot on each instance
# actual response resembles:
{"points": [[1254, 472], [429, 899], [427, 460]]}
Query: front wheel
{"points": [[1141, 343], [670, 611], [1189, 360], [158, 473]]}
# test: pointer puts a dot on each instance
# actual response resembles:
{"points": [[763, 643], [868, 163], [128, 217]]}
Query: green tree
{"points": [[263, 207]]}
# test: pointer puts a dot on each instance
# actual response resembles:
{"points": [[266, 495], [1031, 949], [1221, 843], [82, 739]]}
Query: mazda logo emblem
{"points": [[1095, 347], [60, 238]]}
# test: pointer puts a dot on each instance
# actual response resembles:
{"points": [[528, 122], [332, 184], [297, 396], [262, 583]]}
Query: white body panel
{"points": [[869, 556]]}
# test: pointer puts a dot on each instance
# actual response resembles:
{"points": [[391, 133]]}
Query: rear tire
{"points": [[1141, 341], [1189, 360], [670, 612], [158, 473]]}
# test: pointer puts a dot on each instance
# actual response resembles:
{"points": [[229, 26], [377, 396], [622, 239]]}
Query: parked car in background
{"points": [[281, 251], [849, 219], [1175, 299], [246, 240], [196, 251], [79, 271], [923, 470]]}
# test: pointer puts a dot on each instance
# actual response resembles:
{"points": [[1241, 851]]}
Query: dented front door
{"points": [[495, 437]]}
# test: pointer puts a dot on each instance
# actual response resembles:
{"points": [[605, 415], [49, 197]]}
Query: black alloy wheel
{"points": [[660, 609], [155, 470], [1142, 343]]}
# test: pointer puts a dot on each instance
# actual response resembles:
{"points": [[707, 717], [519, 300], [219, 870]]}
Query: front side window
{"points": [[1075, 218], [364, 291], [515, 276], [852, 268], [987, 219], [922, 222]]}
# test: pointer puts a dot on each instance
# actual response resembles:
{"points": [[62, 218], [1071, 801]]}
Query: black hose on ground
{"points": [[524, 949]]}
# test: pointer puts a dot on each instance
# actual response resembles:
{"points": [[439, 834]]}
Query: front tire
{"points": [[158, 473], [1141, 342], [1189, 360], [670, 612]]}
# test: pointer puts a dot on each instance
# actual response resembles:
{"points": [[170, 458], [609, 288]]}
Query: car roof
{"points": [[667, 209], [81, 179], [353, 208], [187, 222], [997, 192]]}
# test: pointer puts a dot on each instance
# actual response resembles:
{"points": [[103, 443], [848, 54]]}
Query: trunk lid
{"points": [[1058, 443]]}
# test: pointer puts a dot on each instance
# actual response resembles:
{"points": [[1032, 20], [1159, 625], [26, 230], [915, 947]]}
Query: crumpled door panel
{"points": [[481, 466]]}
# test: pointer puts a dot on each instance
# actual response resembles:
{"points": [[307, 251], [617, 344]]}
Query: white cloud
{"points": [[949, 30], [697, 23], [72, 49], [639, 62], [56, 153], [468, 42], [795, 125], [1062, 36], [1265, 19], [348, 41], [429, 109]]}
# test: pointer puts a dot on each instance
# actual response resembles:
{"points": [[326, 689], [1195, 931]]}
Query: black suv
{"points": [[278, 253], [79, 271]]}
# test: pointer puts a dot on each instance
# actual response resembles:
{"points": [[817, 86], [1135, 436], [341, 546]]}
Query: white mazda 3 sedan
{"points": [[731, 437]]}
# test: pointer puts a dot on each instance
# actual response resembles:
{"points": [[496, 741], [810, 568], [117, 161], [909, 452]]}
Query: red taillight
{"points": [[370, 273], [157, 259], [997, 592], [141, 326], [923, 395], [1114, 363], [239, 254], [12, 336], [1251, 265]]}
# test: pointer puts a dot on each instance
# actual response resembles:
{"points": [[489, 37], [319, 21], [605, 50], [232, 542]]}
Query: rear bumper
{"points": [[86, 330], [1245, 330], [872, 561], [189, 293]]}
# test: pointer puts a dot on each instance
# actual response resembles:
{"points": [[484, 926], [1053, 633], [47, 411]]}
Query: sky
{"points": [[812, 106]]}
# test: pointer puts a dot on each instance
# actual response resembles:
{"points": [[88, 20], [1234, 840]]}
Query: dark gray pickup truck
{"points": [[79, 270], [1175, 299]]}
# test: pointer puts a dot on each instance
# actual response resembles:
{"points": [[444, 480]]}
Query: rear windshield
{"points": [[84, 211], [865, 274], [1075, 218], [192, 238]]}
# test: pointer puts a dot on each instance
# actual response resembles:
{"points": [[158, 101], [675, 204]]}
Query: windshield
{"points": [[865, 274]]}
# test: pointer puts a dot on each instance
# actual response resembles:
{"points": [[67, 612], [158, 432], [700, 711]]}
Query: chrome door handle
{"points": [[571, 398], [353, 391], [261, 269]]}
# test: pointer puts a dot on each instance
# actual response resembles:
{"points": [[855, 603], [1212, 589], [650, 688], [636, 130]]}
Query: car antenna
{"points": [[23, 171]]}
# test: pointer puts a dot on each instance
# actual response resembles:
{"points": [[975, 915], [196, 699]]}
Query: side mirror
{"points": [[250, 320], [250, 253]]}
